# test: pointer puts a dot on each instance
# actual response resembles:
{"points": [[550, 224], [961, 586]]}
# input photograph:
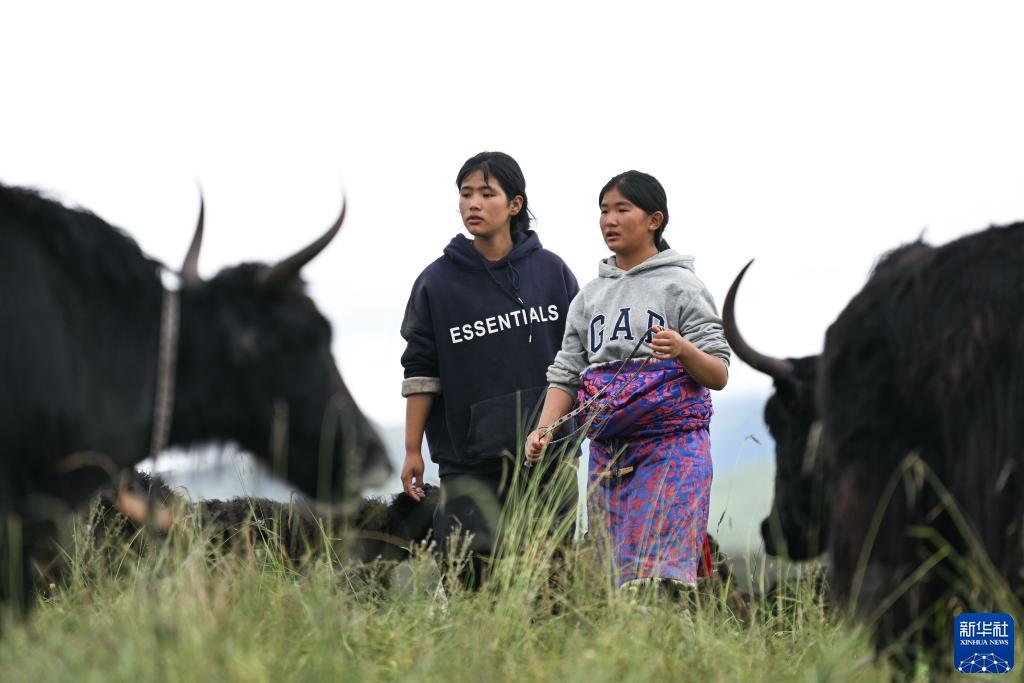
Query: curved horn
{"points": [[776, 368], [190, 269], [287, 270]]}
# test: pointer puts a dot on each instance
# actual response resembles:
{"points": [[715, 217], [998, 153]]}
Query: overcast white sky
{"points": [[808, 136]]}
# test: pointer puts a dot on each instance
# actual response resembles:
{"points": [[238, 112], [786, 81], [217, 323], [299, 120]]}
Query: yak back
{"points": [[927, 360], [80, 317], [379, 528]]}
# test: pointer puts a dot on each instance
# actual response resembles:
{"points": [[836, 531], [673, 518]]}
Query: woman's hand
{"points": [[704, 368], [412, 475], [535, 443], [556, 404], [668, 343]]}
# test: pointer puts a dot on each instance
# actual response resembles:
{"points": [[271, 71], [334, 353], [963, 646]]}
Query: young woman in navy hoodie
{"points": [[483, 323]]}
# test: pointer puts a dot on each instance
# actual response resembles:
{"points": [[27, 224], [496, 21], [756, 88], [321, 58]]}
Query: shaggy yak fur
{"points": [[913, 484], [385, 529], [80, 314]]}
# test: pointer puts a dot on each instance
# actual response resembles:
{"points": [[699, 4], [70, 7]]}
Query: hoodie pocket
{"points": [[501, 423]]}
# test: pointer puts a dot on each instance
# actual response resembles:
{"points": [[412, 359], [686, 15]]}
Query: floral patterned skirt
{"points": [[650, 468]]}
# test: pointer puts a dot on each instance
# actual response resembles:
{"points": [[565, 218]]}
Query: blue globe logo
{"points": [[987, 663]]}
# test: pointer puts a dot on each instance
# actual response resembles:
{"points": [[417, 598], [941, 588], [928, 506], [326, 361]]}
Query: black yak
{"points": [[377, 528], [84, 335], [900, 448]]}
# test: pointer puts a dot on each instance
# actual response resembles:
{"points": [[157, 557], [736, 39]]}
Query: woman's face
{"points": [[626, 227], [485, 208]]}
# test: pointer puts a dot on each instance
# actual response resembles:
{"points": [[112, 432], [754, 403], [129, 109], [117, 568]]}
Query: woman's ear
{"points": [[657, 218], [516, 205]]}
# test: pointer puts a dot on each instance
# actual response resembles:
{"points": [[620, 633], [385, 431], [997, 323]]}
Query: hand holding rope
{"points": [[546, 439]]}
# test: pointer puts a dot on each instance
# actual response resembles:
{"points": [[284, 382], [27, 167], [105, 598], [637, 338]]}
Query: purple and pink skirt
{"points": [[650, 468]]}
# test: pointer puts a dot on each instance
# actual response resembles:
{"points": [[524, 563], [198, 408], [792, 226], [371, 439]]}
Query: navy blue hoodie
{"points": [[481, 336]]}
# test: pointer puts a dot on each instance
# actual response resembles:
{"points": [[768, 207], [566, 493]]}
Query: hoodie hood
{"points": [[619, 308], [667, 258], [461, 252]]}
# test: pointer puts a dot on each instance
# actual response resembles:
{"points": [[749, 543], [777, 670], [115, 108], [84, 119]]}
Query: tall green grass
{"points": [[181, 609]]}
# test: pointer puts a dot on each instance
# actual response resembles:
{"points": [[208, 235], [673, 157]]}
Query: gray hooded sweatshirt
{"points": [[610, 313]]}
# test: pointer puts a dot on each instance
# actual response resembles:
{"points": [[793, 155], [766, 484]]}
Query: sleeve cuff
{"points": [[566, 388], [421, 385]]}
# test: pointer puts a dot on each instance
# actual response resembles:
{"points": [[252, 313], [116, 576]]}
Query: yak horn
{"points": [[287, 270], [190, 269], [776, 368]]}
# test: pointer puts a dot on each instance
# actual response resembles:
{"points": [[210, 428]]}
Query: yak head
{"points": [[255, 368], [797, 526]]}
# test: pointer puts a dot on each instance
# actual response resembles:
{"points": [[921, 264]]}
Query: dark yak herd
{"points": [[898, 449]]}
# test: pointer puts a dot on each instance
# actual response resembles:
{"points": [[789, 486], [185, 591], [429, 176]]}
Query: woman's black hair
{"points": [[643, 190], [506, 171]]}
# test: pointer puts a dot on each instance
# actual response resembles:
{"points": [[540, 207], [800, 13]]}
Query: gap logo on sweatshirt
{"points": [[502, 322], [621, 329]]}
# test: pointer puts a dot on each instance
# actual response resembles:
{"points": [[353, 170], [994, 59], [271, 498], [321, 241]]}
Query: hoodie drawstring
{"points": [[513, 279]]}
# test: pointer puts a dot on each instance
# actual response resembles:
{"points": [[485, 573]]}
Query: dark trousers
{"points": [[466, 523]]}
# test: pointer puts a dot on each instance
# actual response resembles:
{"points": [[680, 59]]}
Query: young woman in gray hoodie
{"points": [[643, 344]]}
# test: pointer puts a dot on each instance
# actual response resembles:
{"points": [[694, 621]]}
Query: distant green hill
{"points": [[744, 460], [740, 499]]}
